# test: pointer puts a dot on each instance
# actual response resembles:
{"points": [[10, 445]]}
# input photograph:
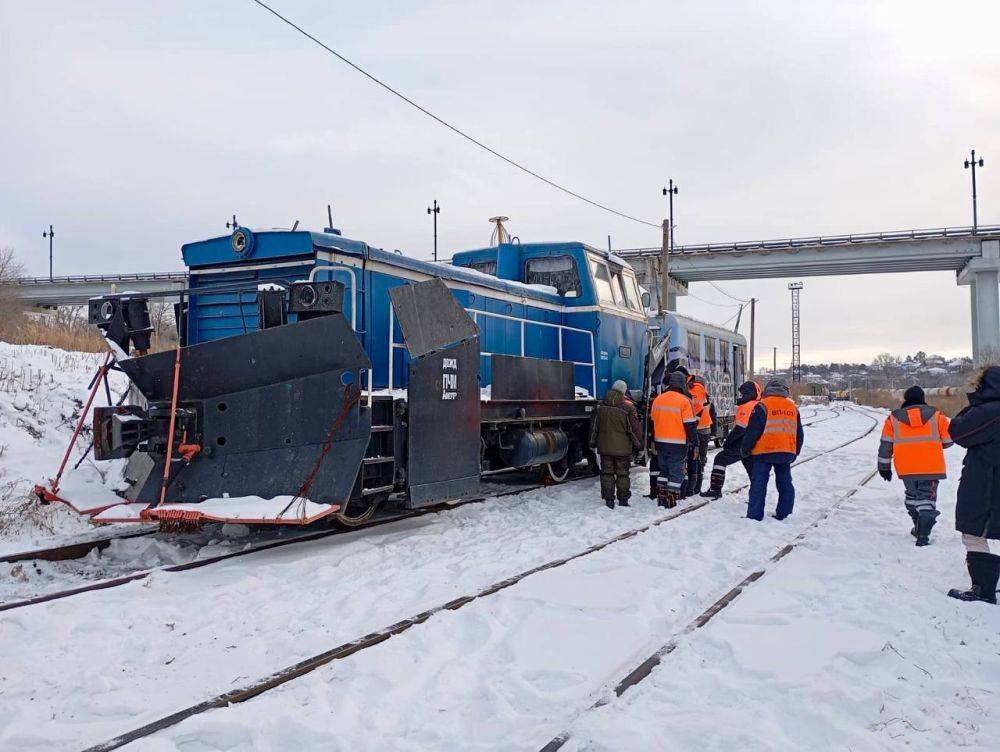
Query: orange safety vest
{"points": [[743, 412], [917, 449], [699, 399], [781, 429], [671, 412]]}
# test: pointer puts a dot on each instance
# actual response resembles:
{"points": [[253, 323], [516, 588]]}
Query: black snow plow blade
{"points": [[265, 414]]}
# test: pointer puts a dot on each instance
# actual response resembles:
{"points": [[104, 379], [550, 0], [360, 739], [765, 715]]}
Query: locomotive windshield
{"points": [[615, 285], [559, 272], [602, 282]]}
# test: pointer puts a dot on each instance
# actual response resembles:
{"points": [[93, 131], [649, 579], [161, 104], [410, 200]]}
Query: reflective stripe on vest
{"points": [[917, 450], [671, 412], [780, 433]]}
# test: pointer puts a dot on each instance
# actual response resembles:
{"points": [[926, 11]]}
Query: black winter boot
{"points": [[696, 482], [661, 495], [925, 521], [912, 511], [718, 479], [984, 571], [610, 503]]}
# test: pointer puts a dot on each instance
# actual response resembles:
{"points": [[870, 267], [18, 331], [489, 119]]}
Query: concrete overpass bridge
{"points": [[43, 292], [973, 257]]}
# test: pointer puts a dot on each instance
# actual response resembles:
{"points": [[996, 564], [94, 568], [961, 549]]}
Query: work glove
{"points": [[886, 473], [639, 458]]}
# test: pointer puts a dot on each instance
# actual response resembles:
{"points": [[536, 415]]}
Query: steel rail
{"points": [[79, 550], [346, 649], [645, 668], [305, 538], [69, 551]]}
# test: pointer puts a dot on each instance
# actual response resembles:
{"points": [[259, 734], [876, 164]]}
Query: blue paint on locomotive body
{"points": [[596, 322]]}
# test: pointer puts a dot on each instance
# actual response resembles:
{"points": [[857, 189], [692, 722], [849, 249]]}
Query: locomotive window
{"points": [[602, 281], [559, 272], [616, 287], [631, 291], [710, 358], [486, 267], [725, 351], [694, 350]]}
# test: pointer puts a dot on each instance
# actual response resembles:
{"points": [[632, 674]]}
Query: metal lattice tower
{"points": [[796, 287]]}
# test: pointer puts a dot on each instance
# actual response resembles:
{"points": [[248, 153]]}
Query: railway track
{"points": [[643, 669], [80, 550], [359, 644]]}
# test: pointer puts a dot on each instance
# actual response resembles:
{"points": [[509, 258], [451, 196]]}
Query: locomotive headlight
{"points": [[107, 310], [308, 296]]}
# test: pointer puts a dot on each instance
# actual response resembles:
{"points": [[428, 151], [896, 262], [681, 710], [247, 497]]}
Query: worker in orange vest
{"points": [[773, 439], [749, 394], [703, 411], [674, 427], [914, 438]]}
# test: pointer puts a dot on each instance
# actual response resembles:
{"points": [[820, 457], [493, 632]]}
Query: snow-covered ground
{"points": [[42, 391], [849, 642]]}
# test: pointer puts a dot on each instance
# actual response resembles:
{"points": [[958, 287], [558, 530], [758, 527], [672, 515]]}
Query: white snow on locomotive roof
{"points": [[269, 287]]}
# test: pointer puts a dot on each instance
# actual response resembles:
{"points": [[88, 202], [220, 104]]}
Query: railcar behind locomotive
{"points": [[318, 376]]}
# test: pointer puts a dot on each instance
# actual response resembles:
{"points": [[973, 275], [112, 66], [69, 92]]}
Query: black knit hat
{"points": [[913, 396]]}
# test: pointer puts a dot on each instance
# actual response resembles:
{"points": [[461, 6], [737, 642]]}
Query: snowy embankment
{"points": [[505, 672], [42, 391]]}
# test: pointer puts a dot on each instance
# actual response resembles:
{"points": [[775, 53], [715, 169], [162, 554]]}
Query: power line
{"points": [[727, 294], [448, 125], [712, 302]]}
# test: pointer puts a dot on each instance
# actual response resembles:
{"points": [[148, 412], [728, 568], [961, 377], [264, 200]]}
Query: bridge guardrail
{"points": [[77, 278], [820, 240]]}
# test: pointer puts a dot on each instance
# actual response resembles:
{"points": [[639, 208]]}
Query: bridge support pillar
{"points": [[982, 275]]}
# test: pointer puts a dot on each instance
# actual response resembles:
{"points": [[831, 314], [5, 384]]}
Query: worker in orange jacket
{"points": [[773, 439], [674, 427], [703, 411], [749, 394], [914, 438]]}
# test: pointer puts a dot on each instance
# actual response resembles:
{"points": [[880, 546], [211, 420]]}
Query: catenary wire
{"points": [[448, 125]]}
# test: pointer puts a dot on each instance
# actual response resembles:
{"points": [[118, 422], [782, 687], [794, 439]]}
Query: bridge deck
{"points": [[940, 249]]}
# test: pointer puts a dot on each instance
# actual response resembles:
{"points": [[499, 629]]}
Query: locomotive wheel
{"points": [[557, 472]]}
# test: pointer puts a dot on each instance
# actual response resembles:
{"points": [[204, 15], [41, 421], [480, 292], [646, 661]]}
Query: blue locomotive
{"points": [[320, 376]]}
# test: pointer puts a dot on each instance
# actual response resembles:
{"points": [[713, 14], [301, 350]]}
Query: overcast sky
{"points": [[134, 127]]}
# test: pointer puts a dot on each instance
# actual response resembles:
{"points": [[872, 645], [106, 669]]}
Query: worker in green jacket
{"points": [[615, 435]]}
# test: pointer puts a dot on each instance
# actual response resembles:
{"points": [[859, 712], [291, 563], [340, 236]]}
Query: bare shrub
{"points": [[949, 405], [66, 328]]}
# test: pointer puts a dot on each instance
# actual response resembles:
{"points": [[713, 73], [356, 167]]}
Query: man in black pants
{"points": [[731, 453]]}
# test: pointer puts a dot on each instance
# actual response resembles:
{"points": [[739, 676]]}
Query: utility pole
{"points": [[50, 234], [753, 330], [973, 163], [796, 288], [668, 245], [774, 364], [435, 211]]}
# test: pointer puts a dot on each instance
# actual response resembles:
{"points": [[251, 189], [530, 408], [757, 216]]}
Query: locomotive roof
{"points": [[714, 330]]}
